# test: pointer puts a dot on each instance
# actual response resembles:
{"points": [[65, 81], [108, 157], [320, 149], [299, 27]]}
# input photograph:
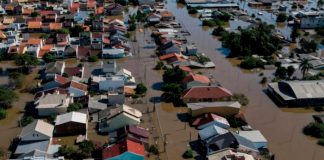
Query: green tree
{"points": [[34, 14], [305, 66], [251, 62], [282, 17], [241, 98], [192, 10], [314, 129], [67, 151], [92, 59], [281, 72], [49, 57], [26, 60], [218, 31], [159, 65], [74, 107], [308, 46], [203, 59], [140, 89], [44, 36], [86, 147], [173, 75], [7, 97], [25, 121], [188, 154], [294, 33], [154, 149], [17, 79], [63, 31], [3, 114]]}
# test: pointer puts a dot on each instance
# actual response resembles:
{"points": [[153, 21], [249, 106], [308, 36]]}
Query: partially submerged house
{"points": [[72, 123], [127, 149], [222, 108], [205, 94], [210, 119], [52, 104]]}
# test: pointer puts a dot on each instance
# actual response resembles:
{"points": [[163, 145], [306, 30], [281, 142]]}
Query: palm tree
{"points": [[305, 66]]}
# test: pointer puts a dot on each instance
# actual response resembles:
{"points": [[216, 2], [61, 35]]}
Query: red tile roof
{"points": [[34, 24], [47, 12], [214, 92], [80, 86], [185, 68], [124, 146], [196, 77], [73, 71], [60, 79]]}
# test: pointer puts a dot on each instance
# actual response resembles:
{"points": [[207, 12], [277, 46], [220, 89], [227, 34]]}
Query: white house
{"points": [[256, 137], [119, 117], [129, 79], [51, 104]]}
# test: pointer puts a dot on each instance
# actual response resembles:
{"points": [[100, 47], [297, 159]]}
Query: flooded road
{"points": [[282, 127]]}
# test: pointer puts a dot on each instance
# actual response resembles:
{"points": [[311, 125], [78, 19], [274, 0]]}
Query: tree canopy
{"points": [[173, 75], [7, 97], [140, 89]]}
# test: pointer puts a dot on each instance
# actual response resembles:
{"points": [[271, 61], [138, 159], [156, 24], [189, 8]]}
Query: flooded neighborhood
{"points": [[161, 79]]}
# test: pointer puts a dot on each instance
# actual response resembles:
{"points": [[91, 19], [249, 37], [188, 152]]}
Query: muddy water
{"points": [[282, 127]]}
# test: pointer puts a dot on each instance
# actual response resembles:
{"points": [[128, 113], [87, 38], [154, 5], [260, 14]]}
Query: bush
{"points": [[264, 80], [74, 107], [159, 65], [241, 98], [192, 10], [282, 17], [314, 129], [218, 31], [49, 57], [188, 154], [321, 142], [3, 113], [281, 72], [25, 121], [17, 79], [140, 89], [251, 62], [92, 59], [153, 149], [132, 27], [7, 97]]}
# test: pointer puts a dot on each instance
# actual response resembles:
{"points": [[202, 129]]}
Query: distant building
{"points": [[311, 19], [297, 93]]}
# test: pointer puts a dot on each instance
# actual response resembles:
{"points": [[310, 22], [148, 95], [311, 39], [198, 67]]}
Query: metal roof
{"points": [[254, 136], [211, 131], [199, 105], [71, 117], [38, 126]]}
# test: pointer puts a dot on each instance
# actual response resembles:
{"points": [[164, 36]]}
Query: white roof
{"points": [[71, 117], [254, 136], [113, 51], [199, 105], [52, 100], [39, 126], [211, 131], [124, 71]]}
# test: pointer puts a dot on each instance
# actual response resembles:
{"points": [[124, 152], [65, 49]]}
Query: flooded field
{"points": [[282, 127]]}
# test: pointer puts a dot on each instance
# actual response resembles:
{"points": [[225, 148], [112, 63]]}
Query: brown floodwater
{"points": [[282, 127]]}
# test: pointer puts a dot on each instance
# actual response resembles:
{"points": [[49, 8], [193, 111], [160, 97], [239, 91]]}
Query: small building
{"points": [[52, 104], [297, 93], [211, 131], [113, 53], [77, 89], [193, 80], [205, 94], [53, 68], [97, 103], [154, 18], [255, 137], [125, 150], [167, 16], [111, 83], [132, 132], [72, 123], [116, 97], [191, 50], [210, 119], [118, 117], [222, 108], [57, 82], [229, 153]]}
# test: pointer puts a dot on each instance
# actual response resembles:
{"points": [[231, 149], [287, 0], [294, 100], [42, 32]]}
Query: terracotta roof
{"points": [[166, 14], [34, 24], [214, 92], [106, 40], [196, 77], [80, 86], [72, 71], [60, 79], [124, 146], [91, 3], [175, 59], [47, 12], [46, 48], [8, 20], [55, 26], [2, 35], [74, 7], [9, 7], [34, 41], [185, 68], [100, 10], [27, 11], [82, 52]]}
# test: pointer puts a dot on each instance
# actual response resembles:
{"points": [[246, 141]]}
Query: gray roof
{"points": [[211, 131], [199, 105], [254, 136], [39, 126], [290, 90], [71, 117], [98, 102], [54, 67], [53, 101], [27, 147]]}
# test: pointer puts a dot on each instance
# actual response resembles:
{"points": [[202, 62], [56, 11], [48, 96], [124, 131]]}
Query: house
{"points": [[36, 137], [114, 9], [34, 46], [63, 39], [82, 52], [72, 123], [297, 93], [34, 26], [111, 83], [205, 94], [116, 97], [57, 82], [311, 20], [109, 67], [52, 104], [210, 131], [97, 103], [229, 153], [91, 6], [113, 53], [255, 137], [125, 150], [228, 140], [191, 50], [77, 89], [129, 79], [119, 117], [132, 132], [74, 71], [210, 119], [48, 15], [53, 68], [222, 108], [167, 16], [193, 80], [116, 22], [146, 2]]}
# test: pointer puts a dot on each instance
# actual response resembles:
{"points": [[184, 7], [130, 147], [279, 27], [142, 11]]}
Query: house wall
{"points": [[116, 99], [42, 112], [118, 122], [221, 111], [76, 92], [71, 128], [35, 136]]}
